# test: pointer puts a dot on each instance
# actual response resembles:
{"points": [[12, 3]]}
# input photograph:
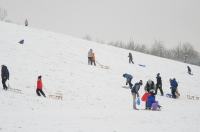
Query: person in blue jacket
{"points": [[151, 99], [128, 79], [174, 85]]}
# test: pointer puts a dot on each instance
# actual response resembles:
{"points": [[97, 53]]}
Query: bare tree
{"points": [[158, 49], [3, 14]]}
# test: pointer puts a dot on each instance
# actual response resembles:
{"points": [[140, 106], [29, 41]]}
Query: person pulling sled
{"points": [[40, 86]]}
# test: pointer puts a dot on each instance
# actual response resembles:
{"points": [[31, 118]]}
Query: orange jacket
{"points": [[39, 84]]}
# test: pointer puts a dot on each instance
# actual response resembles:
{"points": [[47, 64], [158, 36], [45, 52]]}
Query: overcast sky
{"points": [[170, 21]]}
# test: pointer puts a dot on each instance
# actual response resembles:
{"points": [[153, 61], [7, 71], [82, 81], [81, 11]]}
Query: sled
{"points": [[57, 96], [144, 97], [168, 95], [191, 97], [142, 65], [126, 87], [15, 90], [102, 66]]}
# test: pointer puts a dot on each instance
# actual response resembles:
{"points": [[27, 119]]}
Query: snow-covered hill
{"points": [[93, 97]]}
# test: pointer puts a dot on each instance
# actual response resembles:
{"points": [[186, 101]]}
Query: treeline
{"points": [[4, 15], [183, 52]]}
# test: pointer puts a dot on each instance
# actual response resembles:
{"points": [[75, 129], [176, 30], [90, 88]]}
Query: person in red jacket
{"points": [[39, 87]]}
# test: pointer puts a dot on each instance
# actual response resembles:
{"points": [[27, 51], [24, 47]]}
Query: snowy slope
{"points": [[93, 98]]}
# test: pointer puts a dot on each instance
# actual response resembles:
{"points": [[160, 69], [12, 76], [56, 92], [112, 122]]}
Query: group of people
{"points": [[91, 58], [151, 90], [5, 76]]}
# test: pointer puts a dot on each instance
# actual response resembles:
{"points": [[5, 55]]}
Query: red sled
{"points": [[144, 97]]}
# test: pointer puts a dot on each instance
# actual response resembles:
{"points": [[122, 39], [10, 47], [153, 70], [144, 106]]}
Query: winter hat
{"points": [[140, 82], [149, 82]]}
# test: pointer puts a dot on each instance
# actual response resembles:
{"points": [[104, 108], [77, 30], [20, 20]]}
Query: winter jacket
{"points": [[130, 56], [159, 80], [150, 100], [4, 72], [135, 88], [128, 77], [90, 53], [39, 84], [173, 84], [149, 87]]}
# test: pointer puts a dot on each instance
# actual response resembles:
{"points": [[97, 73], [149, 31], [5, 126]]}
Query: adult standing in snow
{"points": [[93, 59], [174, 88], [189, 70], [40, 86], [130, 58], [90, 55], [128, 79], [4, 76], [135, 91], [159, 84], [149, 86]]}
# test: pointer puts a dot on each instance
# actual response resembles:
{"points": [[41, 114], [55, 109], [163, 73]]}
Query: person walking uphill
{"points": [[4, 76], [130, 58], [189, 70], [39, 87], [134, 91], [90, 57], [159, 84], [128, 79]]}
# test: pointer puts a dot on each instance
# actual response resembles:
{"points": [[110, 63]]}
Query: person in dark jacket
{"points": [[189, 70], [149, 86], [159, 84], [130, 58], [174, 90], [128, 79], [4, 76], [40, 86], [134, 91]]}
